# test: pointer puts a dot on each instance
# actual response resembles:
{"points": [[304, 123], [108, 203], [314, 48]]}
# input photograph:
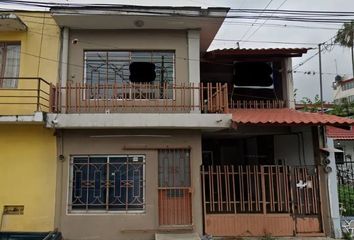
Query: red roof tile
{"points": [[285, 116], [339, 133]]}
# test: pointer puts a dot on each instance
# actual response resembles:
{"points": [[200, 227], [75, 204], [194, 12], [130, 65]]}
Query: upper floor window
{"points": [[130, 74], [348, 85], [114, 67], [9, 64]]}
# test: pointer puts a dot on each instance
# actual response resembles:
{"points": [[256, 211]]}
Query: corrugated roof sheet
{"points": [[290, 52], [286, 116], [339, 133]]}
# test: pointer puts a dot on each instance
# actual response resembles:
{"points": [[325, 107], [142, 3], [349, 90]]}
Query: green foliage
{"points": [[311, 106], [343, 109], [345, 35], [347, 236], [346, 198]]}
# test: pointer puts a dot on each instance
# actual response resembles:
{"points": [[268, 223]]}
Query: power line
{"points": [[255, 21], [254, 32], [283, 15], [314, 55], [242, 23]]}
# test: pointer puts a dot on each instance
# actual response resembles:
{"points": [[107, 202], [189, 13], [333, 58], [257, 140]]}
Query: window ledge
{"points": [[104, 213]]}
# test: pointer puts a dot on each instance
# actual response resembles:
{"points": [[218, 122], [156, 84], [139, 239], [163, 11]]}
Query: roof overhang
{"points": [[331, 150], [11, 22], [208, 20], [286, 117], [230, 54], [340, 133]]}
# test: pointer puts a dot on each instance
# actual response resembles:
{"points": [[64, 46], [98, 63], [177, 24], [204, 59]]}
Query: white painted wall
{"points": [[339, 93], [194, 64], [333, 193], [288, 82]]}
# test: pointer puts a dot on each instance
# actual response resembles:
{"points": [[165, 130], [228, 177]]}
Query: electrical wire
{"points": [[242, 23], [255, 21], [284, 15], [260, 26]]}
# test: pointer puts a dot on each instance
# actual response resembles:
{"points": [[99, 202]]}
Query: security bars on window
{"points": [[107, 183], [111, 68]]}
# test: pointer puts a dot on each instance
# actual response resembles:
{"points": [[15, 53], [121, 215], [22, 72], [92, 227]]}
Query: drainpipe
{"points": [[64, 65]]}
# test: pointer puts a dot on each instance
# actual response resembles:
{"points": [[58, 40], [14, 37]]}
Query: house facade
{"points": [[154, 134], [130, 139], [29, 54], [343, 90]]}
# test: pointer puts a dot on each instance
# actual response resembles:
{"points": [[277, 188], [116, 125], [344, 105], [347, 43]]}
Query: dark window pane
{"points": [[124, 183]]}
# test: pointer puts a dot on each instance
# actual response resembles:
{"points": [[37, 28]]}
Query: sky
{"points": [[335, 60]]}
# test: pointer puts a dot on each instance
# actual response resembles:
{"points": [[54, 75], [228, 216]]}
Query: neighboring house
{"points": [[343, 140], [29, 54], [343, 90], [157, 135]]}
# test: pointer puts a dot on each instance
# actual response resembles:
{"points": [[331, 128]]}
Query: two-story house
{"points": [[343, 90], [29, 60], [155, 135], [129, 119]]}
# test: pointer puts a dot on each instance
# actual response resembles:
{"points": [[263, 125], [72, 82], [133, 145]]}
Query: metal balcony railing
{"points": [[25, 96], [141, 98]]}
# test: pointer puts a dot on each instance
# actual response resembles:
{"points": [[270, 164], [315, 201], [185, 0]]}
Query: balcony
{"points": [[141, 98], [25, 96], [30, 95]]}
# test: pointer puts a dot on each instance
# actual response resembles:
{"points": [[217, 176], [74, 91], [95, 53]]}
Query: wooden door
{"points": [[174, 190]]}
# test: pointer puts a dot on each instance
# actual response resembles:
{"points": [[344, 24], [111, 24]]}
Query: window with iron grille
{"points": [[114, 183], [9, 64], [113, 69]]}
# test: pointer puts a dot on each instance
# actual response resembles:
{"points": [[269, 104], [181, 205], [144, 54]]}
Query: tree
{"points": [[309, 105], [345, 38], [343, 109]]}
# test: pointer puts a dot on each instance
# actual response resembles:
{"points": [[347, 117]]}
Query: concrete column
{"points": [[194, 65], [333, 194], [288, 83], [64, 63]]}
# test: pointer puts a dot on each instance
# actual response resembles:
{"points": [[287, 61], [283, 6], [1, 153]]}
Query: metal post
{"points": [[352, 51], [352, 55], [320, 70], [38, 93]]}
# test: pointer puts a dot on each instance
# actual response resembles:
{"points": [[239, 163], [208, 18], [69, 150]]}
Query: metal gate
{"points": [[345, 178], [175, 206], [256, 200]]}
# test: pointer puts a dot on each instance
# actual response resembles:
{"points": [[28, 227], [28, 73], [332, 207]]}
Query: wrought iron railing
{"points": [[264, 189], [141, 98], [257, 104], [25, 96]]}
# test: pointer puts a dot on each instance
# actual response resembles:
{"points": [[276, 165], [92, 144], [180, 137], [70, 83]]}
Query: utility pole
{"points": [[352, 51], [320, 72]]}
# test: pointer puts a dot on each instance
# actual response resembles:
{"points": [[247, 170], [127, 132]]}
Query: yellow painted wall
{"points": [[40, 54], [27, 176]]}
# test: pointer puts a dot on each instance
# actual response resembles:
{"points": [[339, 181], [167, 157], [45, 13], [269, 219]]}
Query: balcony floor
{"points": [[138, 120]]}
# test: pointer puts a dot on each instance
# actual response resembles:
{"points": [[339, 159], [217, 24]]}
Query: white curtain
{"points": [[12, 66]]}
